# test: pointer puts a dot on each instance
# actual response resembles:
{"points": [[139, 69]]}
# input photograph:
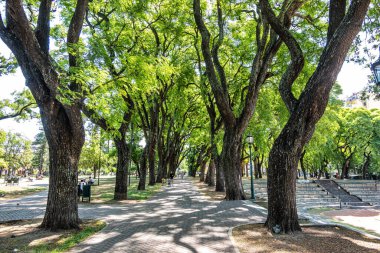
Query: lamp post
{"points": [[250, 142], [375, 67]]}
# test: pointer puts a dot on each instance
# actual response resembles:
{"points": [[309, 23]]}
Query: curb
{"points": [[233, 242], [260, 209]]}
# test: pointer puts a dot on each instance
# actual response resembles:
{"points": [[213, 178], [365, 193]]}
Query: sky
{"points": [[352, 78]]}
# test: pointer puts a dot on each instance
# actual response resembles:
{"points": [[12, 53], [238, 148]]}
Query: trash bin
{"points": [[86, 192]]}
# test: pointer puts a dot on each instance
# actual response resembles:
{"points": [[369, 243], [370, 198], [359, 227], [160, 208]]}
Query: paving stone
{"points": [[177, 219]]}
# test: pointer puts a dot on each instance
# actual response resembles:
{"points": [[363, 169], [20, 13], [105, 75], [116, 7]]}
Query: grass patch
{"points": [[25, 236], [134, 194], [67, 241], [104, 192]]}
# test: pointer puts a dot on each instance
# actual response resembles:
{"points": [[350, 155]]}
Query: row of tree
{"points": [[159, 66], [346, 141]]}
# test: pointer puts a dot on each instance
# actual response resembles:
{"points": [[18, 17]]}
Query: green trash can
{"points": [[86, 192]]}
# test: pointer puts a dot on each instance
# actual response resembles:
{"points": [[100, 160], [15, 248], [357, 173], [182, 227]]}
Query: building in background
{"points": [[357, 100]]}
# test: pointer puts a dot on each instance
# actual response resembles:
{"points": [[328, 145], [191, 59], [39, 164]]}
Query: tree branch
{"points": [[297, 59], [215, 50], [16, 114], [75, 28], [337, 11], [95, 118], [43, 25], [221, 98]]}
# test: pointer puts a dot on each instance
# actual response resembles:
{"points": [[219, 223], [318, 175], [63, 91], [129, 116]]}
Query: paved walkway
{"points": [[177, 219]]}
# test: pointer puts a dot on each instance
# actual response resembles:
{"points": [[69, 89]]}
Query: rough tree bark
{"points": [[303, 167], [232, 144], [367, 161], [153, 111], [346, 167], [122, 167], [162, 150], [211, 173], [203, 164], [143, 168], [62, 123], [305, 111]]}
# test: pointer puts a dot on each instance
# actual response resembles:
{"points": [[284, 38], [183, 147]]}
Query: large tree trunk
{"points": [[256, 167], [346, 167], [203, 170], [121, 185], [152, 160], [282, 176], [366, 164], [258, 161], [64, 151], [161, 173], [219, 177], [143, 165], [211, 173], [303, 168], [230, 163], [153, 129]]}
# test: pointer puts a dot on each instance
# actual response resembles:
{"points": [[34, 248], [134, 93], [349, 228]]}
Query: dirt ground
{"points": [[23, 236], [313, 239], [207, 191]]}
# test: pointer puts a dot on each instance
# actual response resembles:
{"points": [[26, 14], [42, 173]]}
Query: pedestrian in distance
{"points": [[171, 178], [91, 181]]}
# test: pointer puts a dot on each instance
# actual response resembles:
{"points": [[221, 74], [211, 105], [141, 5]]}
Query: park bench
{"points": [[12, 180]]}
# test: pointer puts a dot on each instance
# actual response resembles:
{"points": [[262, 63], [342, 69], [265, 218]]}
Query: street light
{"points": [[249, 140], [375, 67]]}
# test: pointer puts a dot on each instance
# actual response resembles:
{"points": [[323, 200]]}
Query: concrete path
{"points": [[177, 219]]}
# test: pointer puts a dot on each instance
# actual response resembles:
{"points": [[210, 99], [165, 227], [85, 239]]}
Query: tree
{"points": [[91, 151], [40, 152], [356, 140], [214, 121], [3, 163], [308, 108], [17, 153], [235, 87], [53, 89]]}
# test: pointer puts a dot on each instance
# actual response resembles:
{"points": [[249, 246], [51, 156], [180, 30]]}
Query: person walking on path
{"points": [[171, 179]]}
